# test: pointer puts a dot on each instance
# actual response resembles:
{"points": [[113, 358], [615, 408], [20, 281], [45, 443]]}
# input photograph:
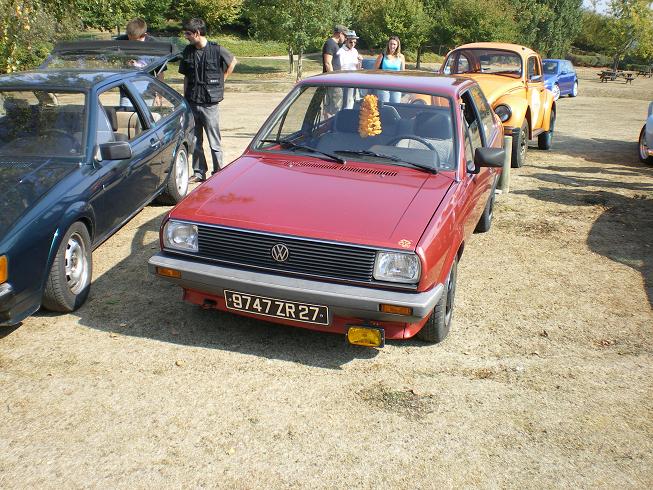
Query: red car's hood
{"points": [[378, 205]]}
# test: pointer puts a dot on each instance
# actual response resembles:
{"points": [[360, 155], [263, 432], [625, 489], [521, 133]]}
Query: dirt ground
{"points": [[544, 381]]}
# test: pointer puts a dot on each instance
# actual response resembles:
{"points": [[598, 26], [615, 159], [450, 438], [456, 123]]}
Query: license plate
{"points": [[277, 308]]}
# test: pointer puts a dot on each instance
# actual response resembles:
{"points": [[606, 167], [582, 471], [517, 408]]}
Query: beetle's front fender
{"points": [[518, 108]]}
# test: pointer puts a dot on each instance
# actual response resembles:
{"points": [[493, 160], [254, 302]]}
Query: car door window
{"points": [[472, 120], [104, 131], [121, 110], [485, 112], [533, 68], [156, 98]]}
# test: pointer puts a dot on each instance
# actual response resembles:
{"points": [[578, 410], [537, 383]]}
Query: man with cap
{"points": [[331, 47], [349, 59]]}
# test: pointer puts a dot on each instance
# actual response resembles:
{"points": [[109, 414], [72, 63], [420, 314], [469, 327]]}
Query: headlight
{"points": [[503, 111], [180, 236], [397, 267]]}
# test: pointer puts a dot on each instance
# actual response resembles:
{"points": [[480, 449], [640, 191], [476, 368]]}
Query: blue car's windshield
{"points": [[550, 67], [42, 123]]}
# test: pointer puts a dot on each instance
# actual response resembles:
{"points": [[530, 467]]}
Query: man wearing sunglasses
{"points": [[205, 66], [349, 59]]}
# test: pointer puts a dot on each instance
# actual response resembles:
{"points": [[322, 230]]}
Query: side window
{"points": [[464, 66], [533, 67], [104, 130], [487, 120], [473, 122], [120, 108], [158, 100]]}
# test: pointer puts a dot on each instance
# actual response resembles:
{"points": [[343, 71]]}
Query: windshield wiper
{"points": [[294, 146], [388, 157]]}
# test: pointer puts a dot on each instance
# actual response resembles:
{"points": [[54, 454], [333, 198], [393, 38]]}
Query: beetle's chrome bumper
{"points": [[342, 300]]}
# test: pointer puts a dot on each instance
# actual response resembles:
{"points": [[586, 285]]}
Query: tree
{"points": [[630, 29], [298, 24], [216, 13], [404, 18], [594, 33], [549, 26]]}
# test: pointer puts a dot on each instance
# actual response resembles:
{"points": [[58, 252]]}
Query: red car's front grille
{"points": [[305, 256]]}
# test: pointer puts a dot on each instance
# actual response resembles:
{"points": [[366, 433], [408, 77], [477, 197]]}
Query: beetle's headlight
{"points": [[180, 236], [503, 111], [397, 267]]}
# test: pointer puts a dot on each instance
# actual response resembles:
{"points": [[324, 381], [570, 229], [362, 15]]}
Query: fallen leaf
{"points": [[231, 451], [179, 363], [113, 335], [123, 325], [544, 333]]}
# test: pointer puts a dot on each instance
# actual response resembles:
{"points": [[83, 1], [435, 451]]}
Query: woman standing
{"points": [[391, 59], [349, 60]]}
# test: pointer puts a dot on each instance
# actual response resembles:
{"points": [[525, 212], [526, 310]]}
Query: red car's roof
{"points": [[414, 81]]}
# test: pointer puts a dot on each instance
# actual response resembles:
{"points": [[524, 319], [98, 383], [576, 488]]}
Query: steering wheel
{"points": [[397, 139], [60, 132]]}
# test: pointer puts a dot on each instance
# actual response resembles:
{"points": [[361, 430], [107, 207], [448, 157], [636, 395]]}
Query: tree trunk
{"points": [[615, 62], [291, 59], [418, 64], [299, 63]]}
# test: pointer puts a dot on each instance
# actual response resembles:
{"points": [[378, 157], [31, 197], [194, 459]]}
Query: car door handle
{"points": [[154, 144]]}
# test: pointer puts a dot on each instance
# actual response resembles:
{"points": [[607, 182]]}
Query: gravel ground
{"points": [[544, 381]]}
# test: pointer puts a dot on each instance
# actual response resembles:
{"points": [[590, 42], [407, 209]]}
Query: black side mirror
{"points": [[116, 150], [488, 157]]}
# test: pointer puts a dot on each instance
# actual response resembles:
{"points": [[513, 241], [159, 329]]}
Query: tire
{"points": [[69, 281], [556, 91], [485, 223], [437, 327], [520, 146], [177, 184], [643, 147], [545, 140], [574, 90]]}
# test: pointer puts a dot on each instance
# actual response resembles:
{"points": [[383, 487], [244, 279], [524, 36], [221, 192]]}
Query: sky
{"points": [[602, 5]]}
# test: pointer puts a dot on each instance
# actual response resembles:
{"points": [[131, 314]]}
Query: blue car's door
{"points": [[124, 186], [566, 78]]}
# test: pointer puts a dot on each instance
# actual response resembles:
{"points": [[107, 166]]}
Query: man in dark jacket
{"points": [[205, 66]]}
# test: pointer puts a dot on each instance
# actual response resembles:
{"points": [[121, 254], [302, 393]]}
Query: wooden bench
{"points": [[629, 77], [608, 75]]}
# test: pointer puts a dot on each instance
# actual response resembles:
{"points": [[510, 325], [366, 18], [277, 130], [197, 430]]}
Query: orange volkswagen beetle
{"points": [[511, 77]]}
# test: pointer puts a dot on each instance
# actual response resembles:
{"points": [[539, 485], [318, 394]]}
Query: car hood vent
{"points": [[340, 167]]}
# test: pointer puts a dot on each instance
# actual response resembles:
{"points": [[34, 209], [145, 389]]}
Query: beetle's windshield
{"points": [[491, 61], [42, 123], [364, 124], [550, 67]]}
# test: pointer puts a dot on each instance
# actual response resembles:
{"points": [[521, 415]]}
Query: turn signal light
{"points": [[397, 310], [366, 336], [164, 271], [4, 269]]}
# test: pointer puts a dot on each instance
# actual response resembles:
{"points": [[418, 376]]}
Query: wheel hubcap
{"points": [[523, 143], [76, 264], [181, 173], [556, 92], [643, 147], [575, 88], [451, 293]]}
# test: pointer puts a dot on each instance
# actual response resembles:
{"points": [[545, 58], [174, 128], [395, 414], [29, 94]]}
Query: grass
{"points": [[250, 47]]}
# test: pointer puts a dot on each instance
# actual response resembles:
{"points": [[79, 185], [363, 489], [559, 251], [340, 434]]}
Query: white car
{"points": [[646, 138]]}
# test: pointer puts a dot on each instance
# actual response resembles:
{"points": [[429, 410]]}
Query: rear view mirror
{"points": [[116, 150], [489, 157]]}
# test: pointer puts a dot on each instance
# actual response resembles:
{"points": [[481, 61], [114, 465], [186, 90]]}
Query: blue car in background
{"points": [[560, 77], [85, 143]]}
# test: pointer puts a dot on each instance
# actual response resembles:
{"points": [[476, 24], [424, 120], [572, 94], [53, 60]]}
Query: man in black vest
{"points": [[205, 66]]}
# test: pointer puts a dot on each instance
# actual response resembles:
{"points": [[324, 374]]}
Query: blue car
{"points": [[82, 150], [560, 78]]}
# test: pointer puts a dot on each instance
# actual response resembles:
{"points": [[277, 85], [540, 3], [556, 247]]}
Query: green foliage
{"points": [[589, 59], [404, 18], [107, 14], [630, 29], [216, 13], [251, 47], [549, 26], [594, 33]]}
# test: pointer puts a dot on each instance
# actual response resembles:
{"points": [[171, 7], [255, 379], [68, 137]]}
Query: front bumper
{"points": [[343, 300], [7, 301]]}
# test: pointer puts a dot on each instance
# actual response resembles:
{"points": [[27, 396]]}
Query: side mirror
{"points": [[488, 157], [116, 150]]}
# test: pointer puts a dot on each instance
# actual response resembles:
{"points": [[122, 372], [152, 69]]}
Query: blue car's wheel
{"points": [[69, 280], [556, 91], [643, 147], [574, 90]]}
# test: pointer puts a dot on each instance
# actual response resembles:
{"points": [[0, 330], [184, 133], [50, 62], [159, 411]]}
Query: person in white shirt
{"points": [[349, 60]]}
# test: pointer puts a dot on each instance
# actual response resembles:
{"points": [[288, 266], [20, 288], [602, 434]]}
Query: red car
{"points": [[349, 210]]}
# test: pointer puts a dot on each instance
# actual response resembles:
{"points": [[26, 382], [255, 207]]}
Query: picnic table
{"points": [[614, 75], [645, 72]]}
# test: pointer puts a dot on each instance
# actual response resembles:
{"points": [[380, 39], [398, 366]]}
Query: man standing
{"points": [[205, 66], [330, 48]]}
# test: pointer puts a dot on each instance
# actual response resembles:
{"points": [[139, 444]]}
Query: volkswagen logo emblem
{"points": [[280, 252]]}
